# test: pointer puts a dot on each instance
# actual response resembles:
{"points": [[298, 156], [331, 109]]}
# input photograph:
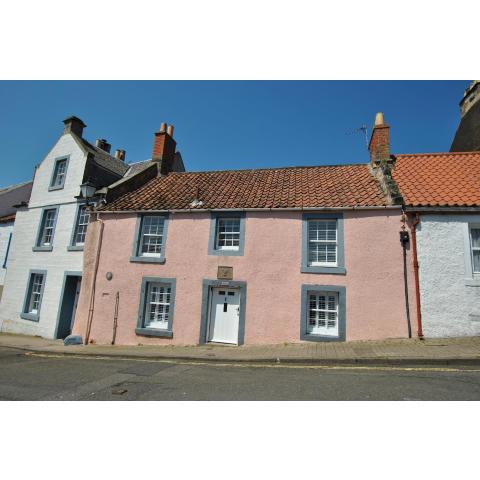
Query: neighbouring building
{"points": [[467, 137], [441, 193], [248, 256], [46, 252], [10, 197]]}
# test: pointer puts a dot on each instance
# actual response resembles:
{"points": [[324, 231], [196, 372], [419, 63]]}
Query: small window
{"points": [[33, 297], [59, 174], [151, 241], [475, 246], [322, 243], [156, 307], [228, 234], [83, 217], [323, 313], [47, 229]]}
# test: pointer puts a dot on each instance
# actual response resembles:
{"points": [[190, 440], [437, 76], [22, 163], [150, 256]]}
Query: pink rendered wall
{"points": [[375, 301]]}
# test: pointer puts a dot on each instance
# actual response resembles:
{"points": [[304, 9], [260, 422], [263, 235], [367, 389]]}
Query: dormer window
{"points": [[59, 174]]}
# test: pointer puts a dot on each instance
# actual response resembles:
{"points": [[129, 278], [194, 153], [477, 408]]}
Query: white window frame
{"points": [[237, 233], [143, 234], [325, 329], [312, 242], [86, 215]]}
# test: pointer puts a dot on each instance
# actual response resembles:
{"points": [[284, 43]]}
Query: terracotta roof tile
{"points": [[439, 179], [292, 187]]}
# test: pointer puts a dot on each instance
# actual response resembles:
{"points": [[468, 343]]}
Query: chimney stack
{"points": [[73, 125], [379, 145], [164, 148], [103, 145], [120, 155]]}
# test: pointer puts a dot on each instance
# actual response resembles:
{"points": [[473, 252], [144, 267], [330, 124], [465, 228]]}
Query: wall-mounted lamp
{"points": [[88, 191]]}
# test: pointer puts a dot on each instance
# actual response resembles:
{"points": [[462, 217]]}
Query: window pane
{"points": [[475, 233], [476, 261], [152, 236], [158, 306], [228, 233], [82, 224]]}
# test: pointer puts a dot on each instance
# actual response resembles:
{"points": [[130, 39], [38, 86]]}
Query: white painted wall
{"points": [[21, 257], [450, 296], [5, 230]]}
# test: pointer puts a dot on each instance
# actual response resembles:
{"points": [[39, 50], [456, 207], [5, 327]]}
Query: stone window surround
{"points": [[33, 317], [341, 291], [213, 233], [44, 248], [136, 257], [155, 332], [51, 187], [339, 269]]}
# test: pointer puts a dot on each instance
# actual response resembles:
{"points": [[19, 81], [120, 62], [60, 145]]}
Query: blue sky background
{"points": [[227, 124]]}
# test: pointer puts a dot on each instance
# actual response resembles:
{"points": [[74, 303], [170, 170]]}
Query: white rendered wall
{"points": [[450, 296], [5, 230], [21, 257]]}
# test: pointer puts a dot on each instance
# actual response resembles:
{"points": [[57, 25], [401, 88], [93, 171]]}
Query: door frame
{"points": [[207, 286], [62, 293]]}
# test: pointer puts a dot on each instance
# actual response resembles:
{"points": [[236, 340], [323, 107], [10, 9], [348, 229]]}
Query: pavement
{"points": [[439, 351]]}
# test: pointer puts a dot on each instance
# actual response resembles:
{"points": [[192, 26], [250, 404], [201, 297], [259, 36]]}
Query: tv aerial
{"points": [[363, 129]]}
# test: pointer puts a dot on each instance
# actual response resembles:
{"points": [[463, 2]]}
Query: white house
{"points": [[45, 255], [442, 199], [10, 197]]}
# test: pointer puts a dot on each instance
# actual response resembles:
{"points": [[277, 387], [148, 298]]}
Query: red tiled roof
{"points": [[439, 179], [293, 187]]}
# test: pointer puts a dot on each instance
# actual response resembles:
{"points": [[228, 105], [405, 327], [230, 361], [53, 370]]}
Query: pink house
{"points": [[247, 257]]}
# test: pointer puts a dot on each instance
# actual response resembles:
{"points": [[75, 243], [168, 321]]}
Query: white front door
{"points": [[224, 315]]}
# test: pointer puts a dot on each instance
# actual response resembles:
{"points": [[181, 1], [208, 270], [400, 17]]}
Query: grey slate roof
{"points": [[14, 195], [104, 159]]}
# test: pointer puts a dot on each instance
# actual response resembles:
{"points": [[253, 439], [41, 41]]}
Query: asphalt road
{"points": [[27, 376]]}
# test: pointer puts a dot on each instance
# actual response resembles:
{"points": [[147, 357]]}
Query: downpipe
{"points": [[415, 222], [404, 239]]}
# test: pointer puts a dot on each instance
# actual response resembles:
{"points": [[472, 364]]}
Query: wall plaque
{"points": [[225, 273]]}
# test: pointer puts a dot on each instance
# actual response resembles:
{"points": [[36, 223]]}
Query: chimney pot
{"points": [[170, 130], [163, 127], [379, 119], [73, 125], [103, 145], [120, 154]]}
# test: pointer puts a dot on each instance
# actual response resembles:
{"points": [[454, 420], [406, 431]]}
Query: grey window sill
{"points": [[42, 249], [75, 248], [152, 332], [147, 259], [320, 338], [58, 187], [227, 253], [472, 282], [332, 270], [33, 317]]}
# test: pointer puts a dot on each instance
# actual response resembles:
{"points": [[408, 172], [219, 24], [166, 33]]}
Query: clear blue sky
{"points": [[227, 124]]}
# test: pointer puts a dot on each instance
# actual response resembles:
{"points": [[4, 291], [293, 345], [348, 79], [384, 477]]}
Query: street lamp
{"points": [[88, 190]]}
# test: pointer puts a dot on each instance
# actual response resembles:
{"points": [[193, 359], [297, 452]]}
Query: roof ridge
{"points": [[292, 167], [475, 152]]}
